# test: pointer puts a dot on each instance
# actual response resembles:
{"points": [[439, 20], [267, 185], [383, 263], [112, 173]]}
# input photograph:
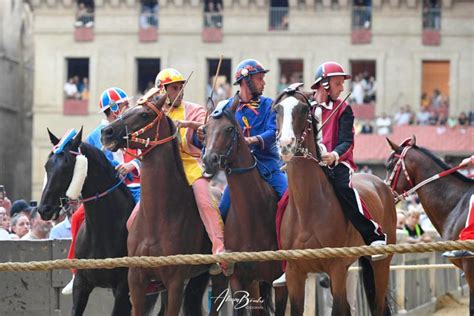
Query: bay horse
{"points": [[168, 222], [445, 201], [108, 204], [314, 218], [250, 224]]}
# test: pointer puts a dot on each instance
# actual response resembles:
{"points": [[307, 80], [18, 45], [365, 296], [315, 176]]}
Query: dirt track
{"points": [[450, 306]]}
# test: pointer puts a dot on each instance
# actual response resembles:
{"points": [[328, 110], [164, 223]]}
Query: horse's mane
{"points": [[443, 165], [94, 154]]}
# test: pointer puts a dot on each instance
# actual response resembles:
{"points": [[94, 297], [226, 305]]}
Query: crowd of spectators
{"points": [[222, 91], [363, 89], [149, 14], [413, 224], [433, 111], [213, 13], [85, 13], [21, 220], [76, 88]]}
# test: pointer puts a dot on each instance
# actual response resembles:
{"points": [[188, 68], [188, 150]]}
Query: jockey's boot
{"points": [[379, 242], [280, 282], [456, 254], [67, 290]]}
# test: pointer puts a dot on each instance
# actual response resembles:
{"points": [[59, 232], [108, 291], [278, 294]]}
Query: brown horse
{"points": [[314, 218], [168, 222], [250, 224], [445, 200]]}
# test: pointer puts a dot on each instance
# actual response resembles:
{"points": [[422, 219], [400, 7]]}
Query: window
{"points": [[361, 14], [435, 86], [149, 14], [291, 71], [85, 14], [147, 69], [223, 88], [278, 15], [431, 15], [77, 80], [363, 84], [213, 13]]}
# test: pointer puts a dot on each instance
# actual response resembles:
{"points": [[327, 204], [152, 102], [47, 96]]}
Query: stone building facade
{"points": [[317, 31]]}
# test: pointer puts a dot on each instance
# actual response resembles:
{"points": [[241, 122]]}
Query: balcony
{"points": [[148, 28], [361, 25], [278, 19], [212, 30], [431, 35], [84, 28], [75, 107]]}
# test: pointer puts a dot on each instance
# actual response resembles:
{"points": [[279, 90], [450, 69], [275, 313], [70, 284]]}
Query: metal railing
{"points": [[85, 20], [278, 19], [148, 19], [361, 17], [213, 19], [432, 19]]}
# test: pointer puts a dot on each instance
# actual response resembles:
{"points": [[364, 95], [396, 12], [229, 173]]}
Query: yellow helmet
{"points": [[168, 76]]}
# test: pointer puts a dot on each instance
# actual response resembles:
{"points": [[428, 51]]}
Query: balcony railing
{"points": [[278, 19], [213, 20], [148, 30], [361, 17], [432, 19]]}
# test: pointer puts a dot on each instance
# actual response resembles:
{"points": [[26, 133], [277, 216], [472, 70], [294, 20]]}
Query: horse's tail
{"points": [[193, 294], [368, 279], [266, 294]]}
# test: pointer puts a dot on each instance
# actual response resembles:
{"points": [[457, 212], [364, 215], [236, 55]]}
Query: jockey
{"points": [[113, 101], [467, 233], [188, 117], [258, 124], [338, 140]]}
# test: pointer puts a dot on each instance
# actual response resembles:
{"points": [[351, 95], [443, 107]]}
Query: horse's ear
{"points": [[54, 140], [413, 141], [394, 146], [234, 105], [77, 140]]}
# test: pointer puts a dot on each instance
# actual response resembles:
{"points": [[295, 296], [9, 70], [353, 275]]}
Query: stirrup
{"points": [[67, 290], [280, 282]]}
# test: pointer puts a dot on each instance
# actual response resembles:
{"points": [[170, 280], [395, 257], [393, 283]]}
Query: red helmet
{"points": [[326, 70]]}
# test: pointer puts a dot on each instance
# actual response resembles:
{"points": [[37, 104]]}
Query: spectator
{"points": [[85, 89], [423, 117], [39, 228], [5, 201], [4, 233], [366, 169], [20, 206], [282, 84], [436, 100], [415, 232], [425, 102], [62, 230], [20, 226], [433, 117], [383, 124], [149, 14], [463, 120], [403, 116], [70, 89], [366, 128], [358, 90], [371, 93], [401, 218]]}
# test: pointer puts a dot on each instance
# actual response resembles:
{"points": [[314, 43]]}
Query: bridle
{"points": [[148, 143], [400, 166], [222, 161]]}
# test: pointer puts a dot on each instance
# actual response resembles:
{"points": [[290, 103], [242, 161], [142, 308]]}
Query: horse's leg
{"points": [[281, 299], [468, 268], [376, 276], [80, 294], [138, 285], [295, 282], [256, 290], [340, 306], [194, 293], [175, 297], [219, 287], [122, 304]]}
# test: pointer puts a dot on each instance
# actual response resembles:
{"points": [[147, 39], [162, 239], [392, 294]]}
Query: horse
{"points": [[168, 222], [250, 224], [445, 201], [314, 218], [108, 204]]}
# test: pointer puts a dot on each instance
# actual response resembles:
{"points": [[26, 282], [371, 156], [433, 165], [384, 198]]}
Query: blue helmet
{"points": [[248, 67]]}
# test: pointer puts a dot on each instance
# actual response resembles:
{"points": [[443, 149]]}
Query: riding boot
{"points": [[468, 232], [76, 221], [210, 215]]}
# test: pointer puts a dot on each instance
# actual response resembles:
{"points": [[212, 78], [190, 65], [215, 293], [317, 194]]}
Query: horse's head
{"points": [[59, 171], [139, 127], [294, 119], [221, 137], [399, 169]]}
